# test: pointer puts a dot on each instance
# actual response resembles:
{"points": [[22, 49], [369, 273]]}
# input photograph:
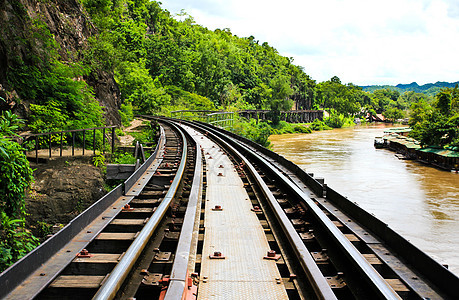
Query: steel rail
{"points": [[116, 278], [376, 281], [179, 273], [318, 282]]}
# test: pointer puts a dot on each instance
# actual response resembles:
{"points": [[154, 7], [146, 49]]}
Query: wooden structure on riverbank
{"points": [[445, 159]]}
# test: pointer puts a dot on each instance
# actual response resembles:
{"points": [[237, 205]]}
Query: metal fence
{"points": [[220, 119], [47, 139]]}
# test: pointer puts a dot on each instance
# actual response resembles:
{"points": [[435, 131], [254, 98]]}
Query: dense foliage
{"points": [[163, 64], [437, 124], [15, 177]]}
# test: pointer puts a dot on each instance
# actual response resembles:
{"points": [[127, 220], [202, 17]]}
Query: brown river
{"points": [[418, 201]]}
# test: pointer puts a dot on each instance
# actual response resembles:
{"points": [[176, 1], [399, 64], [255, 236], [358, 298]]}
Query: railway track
{"points": [[357, 261], [146, 239]]}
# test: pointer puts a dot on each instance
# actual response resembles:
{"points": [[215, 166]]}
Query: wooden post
{"points": [[49, 145], [113, 140], [84, 140], [94, 142], [73, 143], [103, 140], [62, 139]]}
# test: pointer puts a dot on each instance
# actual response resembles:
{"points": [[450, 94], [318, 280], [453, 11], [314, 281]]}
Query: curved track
{"points": [[145, 238]]}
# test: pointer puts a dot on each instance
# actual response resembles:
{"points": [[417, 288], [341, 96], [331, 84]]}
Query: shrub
{"points": [[15, 241], [124, 158], [126, 113], [302, 129], [335, 120], [99, 160], [318, 125], [147, 135], [188, 100], [15, 178], [259, 133]]}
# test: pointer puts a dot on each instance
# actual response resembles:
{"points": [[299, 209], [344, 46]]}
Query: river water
{"points": [[419, 202]]}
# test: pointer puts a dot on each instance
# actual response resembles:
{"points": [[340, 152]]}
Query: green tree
{"points": [[280, 94], [140, 89], [443, 103], [343, 99], [419, 112], [437, 125], [393, 114]]}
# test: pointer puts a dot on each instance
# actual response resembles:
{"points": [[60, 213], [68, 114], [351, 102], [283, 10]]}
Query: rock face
{"points": [[63, 188], [71, 27], [108, 94]]}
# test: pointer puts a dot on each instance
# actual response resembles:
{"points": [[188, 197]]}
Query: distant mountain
{"points": [[428, 88], [412, 86]]}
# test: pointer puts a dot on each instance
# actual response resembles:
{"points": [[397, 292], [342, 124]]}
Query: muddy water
{"points": [[419, 202]]}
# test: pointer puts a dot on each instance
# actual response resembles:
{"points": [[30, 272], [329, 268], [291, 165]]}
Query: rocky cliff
{"points": [[70, 27]]}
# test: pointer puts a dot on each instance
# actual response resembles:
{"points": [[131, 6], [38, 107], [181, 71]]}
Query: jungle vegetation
{"points": [[15, 178], [437, 123], [163, 63]]}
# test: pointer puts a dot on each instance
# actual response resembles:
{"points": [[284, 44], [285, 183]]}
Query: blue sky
{"points": [[360, 41]]}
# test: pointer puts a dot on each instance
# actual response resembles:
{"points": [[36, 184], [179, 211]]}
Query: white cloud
{"points": [[360, 41]]}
